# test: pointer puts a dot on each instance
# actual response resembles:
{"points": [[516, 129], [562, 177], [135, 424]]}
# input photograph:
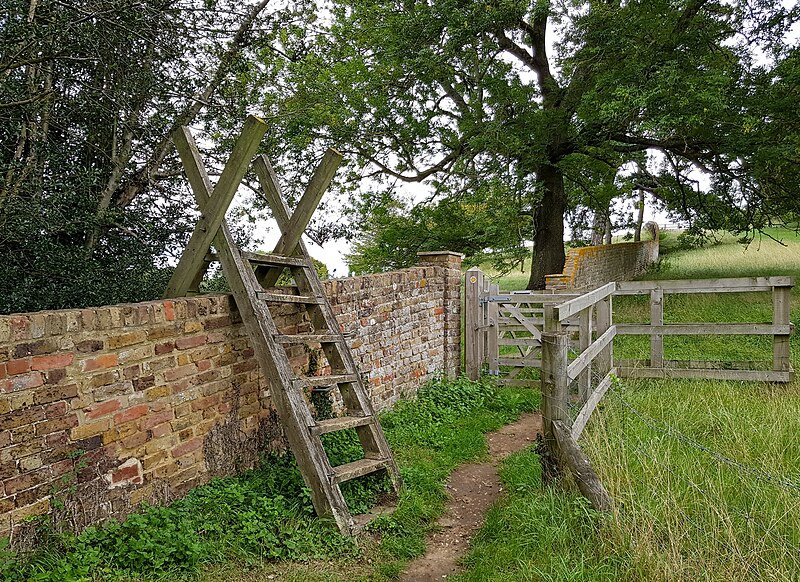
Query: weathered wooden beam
{"points": [[707, 374], [584, 341], [591, 403], [578, 304], [492, 345], [584, 359], [704, 329], [213, 213], [589, 484], [656, 319], [554, 383], [603, 316], [781, 343], [292, 231], [473, 320], [727, 285]]}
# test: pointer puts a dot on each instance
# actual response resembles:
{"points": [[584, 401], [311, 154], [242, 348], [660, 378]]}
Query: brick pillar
{"points": [[450, 265]]}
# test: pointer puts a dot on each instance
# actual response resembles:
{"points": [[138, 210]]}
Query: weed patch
{"points": [[264, 518]]}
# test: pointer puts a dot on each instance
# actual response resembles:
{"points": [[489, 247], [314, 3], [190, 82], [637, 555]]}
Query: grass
{"points": [[705, 474], [261, 526]]}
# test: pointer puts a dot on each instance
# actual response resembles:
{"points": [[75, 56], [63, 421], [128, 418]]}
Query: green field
{"points": [[705, 474]]}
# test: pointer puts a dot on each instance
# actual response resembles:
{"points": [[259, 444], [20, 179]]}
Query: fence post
{"points": [[473, 321], [656, 318], [605, 359], [584, 341], [492, 330], [550, 313], [781, 347], [555, 395]]}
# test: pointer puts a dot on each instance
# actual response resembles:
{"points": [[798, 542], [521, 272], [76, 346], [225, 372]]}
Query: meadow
{"points": [[705, 474]]}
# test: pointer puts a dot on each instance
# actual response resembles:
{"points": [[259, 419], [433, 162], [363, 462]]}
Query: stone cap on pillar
{"points": [[448, 259]]}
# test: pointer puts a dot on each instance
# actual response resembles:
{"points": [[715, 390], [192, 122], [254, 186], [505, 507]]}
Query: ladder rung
{"points": [[275, 260], [285, 298], [301, 338], [340, 423], [330, 380], [357, 469]]}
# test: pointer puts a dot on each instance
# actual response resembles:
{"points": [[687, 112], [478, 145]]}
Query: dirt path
{"points": [[473, 489]]}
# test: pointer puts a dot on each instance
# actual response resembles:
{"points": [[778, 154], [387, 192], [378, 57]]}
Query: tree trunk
{"points": [[548, 222], [607, 233], [637, 234]]}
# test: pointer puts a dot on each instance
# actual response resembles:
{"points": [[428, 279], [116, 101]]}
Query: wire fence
{"points": [[644, 452]]}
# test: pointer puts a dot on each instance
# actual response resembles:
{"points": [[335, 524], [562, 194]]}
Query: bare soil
{"points": [[473, 489]]}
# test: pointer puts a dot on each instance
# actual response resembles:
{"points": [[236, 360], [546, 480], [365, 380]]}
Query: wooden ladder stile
{"points": [[248, 274]]}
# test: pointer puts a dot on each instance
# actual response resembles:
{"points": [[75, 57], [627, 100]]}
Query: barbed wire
{"points": [[759, 474]]}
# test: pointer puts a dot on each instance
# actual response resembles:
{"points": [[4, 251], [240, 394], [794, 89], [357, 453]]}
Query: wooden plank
{"points": [[286, 298], [700, 364], [340, 423], [584, 359], [213, 212], [656, 319], [708, 374], [473, 318], [584, 340], [728, 285], [519, 341], [591, 403], [330, 380], [521, 362], [703, 329], [554, 384], [528, 325], [492, 345], [275, 260], [292, 232], [781, 343], [570, 453], [575, 306], [522, 298], [603, 315], [357, 469], [308, 338]]}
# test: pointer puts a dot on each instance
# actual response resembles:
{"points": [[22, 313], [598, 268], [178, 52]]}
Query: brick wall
{"points": [[589, 267], [103, 408]]}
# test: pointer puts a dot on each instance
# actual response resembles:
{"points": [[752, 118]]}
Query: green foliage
{"points": [[266, 515]]}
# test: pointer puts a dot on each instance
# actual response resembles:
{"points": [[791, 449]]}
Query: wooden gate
{"points": [[504, 329]]}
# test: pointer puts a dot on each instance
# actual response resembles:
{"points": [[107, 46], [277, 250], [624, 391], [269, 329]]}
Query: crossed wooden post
{"points": [[214, 203]]}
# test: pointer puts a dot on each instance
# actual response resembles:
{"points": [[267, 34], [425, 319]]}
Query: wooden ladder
{"points": [[251, 277]]}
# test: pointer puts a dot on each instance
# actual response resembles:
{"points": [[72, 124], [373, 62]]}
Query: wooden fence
{"points": [[570, 339], [498, 321]]}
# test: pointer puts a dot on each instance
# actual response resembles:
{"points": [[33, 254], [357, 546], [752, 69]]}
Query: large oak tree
{"points": [[539, 94]]}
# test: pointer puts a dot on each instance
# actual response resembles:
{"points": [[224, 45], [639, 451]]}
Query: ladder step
{"points": [[340, 423], [357, 469], [275, 260], [302, 338], [330, 380], [284, 298]]}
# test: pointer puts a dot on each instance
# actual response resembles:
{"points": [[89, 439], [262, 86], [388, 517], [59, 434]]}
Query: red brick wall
{"points": [[103, 408]]}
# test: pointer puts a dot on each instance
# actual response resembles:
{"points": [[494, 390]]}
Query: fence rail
{"points": [[547, 328]]}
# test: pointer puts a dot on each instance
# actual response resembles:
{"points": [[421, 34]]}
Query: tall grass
{"points": [[705, 474]]}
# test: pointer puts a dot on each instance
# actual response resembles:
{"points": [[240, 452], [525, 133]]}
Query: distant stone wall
{"points": [[103, 408], [589, 267]]}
